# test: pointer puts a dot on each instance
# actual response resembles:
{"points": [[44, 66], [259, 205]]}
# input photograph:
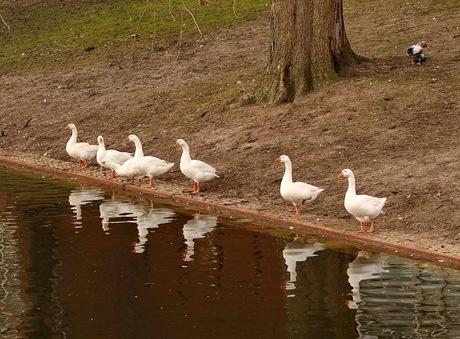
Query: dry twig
{"points": [[4, 22], [234, 11], [170, 11], [154, 30], [193, 17], [135, 35]]}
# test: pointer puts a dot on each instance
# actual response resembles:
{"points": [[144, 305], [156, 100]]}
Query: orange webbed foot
{"points": [[297, 212], [361, 230]]}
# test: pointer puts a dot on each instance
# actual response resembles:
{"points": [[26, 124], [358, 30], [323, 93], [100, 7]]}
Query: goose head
{"points": [[100, 140], [283, 158], [70, 126], [131, 137], [180, 142], [346, 173]]}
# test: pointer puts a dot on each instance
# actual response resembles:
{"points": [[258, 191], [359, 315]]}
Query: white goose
{"points": [[296, 192], [128, 169], [196, 170], [111, 154], [79, 150], [150, 166], [364, 208]]}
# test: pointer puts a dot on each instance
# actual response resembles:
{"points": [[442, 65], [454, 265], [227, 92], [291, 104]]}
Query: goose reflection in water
{"points": [[145, 216], [366, 266], [296, 251], [83, 196], [153, 218], [196, 228], [120, 211]]}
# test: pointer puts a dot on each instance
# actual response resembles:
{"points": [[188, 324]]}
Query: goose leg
{"points": [[361, 230], [194, 188], [297, 211], [79, 163], [133, 181], [198, 188], [150, 184], [372, 225], [112, 175], [86, 164]]}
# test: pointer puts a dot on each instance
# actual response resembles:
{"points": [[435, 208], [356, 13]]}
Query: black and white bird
{"points": [[415, 53]]}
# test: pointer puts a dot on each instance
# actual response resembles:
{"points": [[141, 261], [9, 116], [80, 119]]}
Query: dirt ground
{"points": [[395, 125]]}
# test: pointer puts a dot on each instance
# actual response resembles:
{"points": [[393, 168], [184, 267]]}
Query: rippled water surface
{"points": [[77, 261]]}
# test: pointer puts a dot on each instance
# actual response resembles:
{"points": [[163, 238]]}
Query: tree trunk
{"points": [[309, 49]]}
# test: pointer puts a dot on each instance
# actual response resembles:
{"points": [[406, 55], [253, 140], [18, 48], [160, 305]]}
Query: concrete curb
{"points": [[357, 239]]}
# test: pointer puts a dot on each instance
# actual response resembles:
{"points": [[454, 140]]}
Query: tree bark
{"points": [[309, 49]]}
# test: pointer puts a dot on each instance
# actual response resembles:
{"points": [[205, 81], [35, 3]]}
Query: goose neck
{"points": [[139, 153], [351, 185], [287, 177], [74, 134], [72, 140], [185, 153]]}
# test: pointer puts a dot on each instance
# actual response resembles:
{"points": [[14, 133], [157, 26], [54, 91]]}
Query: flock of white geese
{"points": [[364, 208]]}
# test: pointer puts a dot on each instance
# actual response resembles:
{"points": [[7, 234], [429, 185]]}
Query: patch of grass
{"points": [[446, 4], [212, 92], [47, 33]]}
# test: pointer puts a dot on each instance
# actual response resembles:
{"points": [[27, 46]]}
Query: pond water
{"points": [[78, 261]]}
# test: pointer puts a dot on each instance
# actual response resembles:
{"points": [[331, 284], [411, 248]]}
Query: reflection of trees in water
{"points": [[33, 206], [11, 304], [412, 301]]}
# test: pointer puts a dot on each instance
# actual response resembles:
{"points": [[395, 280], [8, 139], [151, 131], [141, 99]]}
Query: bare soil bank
{"points": [[394, 124]]}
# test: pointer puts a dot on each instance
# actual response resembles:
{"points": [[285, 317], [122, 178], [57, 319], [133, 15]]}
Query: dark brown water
{"points": [[79, 262]]}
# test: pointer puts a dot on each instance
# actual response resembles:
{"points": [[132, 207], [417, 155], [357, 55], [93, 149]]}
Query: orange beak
{"points": [[127, 139], [176, 144], [278, 159], [67, 127], [340, 175]]}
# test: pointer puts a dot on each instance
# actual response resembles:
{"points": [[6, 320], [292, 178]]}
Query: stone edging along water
{"points": [[356, 238]]}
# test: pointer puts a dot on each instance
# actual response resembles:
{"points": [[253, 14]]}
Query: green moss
{"points": [[446, 4], [44, 33]]}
